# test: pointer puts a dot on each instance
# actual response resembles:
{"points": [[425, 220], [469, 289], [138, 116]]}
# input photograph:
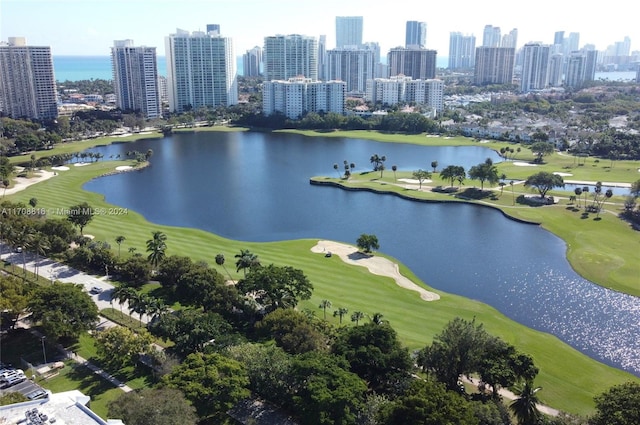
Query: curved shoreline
{"points": [[428, 201]]}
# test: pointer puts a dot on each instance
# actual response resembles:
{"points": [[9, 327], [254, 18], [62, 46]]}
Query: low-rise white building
{"points": [[300, 95], [394, 90]]}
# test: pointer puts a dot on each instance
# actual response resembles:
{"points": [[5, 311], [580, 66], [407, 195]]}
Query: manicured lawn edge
{"points": [[570, 379]]}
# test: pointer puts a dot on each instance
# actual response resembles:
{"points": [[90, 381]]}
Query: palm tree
{"points": [[156, 308], [357, 316], [608, 194], [578, 192], [5, 231], [123, 294], [434, 165], [394, 168], [377, 318], [139, 303], [324, 305], [246, 260], [525, 407], [21, 238], [220, 262], [513, 194], [119, 240], [157, 247], [341, 312], [585, 190], [40, 245], [335, 167]]}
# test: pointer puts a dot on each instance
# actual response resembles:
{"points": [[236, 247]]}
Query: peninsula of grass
{"points": [[570, 379]]}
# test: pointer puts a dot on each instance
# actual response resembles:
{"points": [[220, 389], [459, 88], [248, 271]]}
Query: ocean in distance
{"points": [[75, 68]]}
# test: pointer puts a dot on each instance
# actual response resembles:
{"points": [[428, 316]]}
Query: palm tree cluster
{"points": [[140, 303]]}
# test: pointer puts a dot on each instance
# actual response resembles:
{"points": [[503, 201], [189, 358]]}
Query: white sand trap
{"points": [[376, 265], [123, 167], [22, 183], [60, 168], [524, 164], [80, 164], [414, 181], [558, 173]]}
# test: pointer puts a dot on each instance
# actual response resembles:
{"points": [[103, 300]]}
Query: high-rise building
{"points": [[511, 39], [419, 64], [290, 56], [213, 28], [576, 66], [27, 82], [491, 36], [297, 96], [558, 37], [201, 70], [556, 65], [535, 67], [353, 66], [348, 31], [462, 51], [494, 65], [322, 58], [135, 78], [416, 35], [251, 62], [573, 42], [393, 90]]}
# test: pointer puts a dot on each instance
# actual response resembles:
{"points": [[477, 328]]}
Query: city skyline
{"points": [[88, 28]]}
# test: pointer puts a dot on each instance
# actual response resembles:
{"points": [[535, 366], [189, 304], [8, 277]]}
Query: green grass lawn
{"points": [[77, 377], [570, 379]]}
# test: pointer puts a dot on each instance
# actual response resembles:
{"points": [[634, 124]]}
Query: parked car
{"points": [[37, 394], [95, 290], [12, 380]]}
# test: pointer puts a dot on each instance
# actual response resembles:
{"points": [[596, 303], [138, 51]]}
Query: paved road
{"points": [[55, 271]]}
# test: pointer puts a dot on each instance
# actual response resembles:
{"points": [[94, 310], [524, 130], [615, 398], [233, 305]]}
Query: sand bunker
{"points": [[376, 265], [524, 164], [80, 164], [414, 181], [123, 167], [558, 173], [60, 168]]}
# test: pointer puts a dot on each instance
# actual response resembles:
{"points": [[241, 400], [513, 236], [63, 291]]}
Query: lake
{"points": [[255, 187]]}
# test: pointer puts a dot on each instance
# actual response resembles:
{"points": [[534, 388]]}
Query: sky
{"points": [[89, 27]]}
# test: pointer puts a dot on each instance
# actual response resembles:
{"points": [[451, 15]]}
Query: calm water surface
{"points": [[255, 187]]}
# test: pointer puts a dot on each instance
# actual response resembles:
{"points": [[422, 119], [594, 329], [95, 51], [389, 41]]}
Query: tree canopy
{"points": [[276, 287], [80, 215], [541, 149], [485, 171], [619, 405], [367, 243], [158, 406], [64, 310], [376, 355], [544, 182], [453, 172], [211, 382]]}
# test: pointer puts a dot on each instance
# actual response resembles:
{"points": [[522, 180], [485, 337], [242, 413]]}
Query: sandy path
{"points": [[22, 183], [376, 265]]}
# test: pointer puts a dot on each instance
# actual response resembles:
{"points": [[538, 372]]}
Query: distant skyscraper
{"points": [[535, 67], [576, 70], [348, 31], [555, 69], [298, 95], [135, 78], [462, 51], [201, 70], [289, 56], [27, 82], [491, 36], [322, 57], [353, 66], [494, 65], [251, 62], [416, 35], [213, 28], [558, 37], [573, 42], [511, 39], [419, 64]]}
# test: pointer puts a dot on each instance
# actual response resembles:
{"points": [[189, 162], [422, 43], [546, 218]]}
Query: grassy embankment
{"points": [[602, 250], [570, 379]]}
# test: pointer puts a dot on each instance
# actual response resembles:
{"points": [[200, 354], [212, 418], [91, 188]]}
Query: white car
{"points": [[95, 290]]}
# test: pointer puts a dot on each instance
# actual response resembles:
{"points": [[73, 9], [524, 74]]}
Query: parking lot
{"points": [[24, 388]]}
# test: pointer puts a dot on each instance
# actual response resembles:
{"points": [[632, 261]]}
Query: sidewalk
{"points": [[86, 363]]}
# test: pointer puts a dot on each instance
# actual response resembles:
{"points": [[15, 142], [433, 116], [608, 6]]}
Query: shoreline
{"points": [[375, 264]]}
